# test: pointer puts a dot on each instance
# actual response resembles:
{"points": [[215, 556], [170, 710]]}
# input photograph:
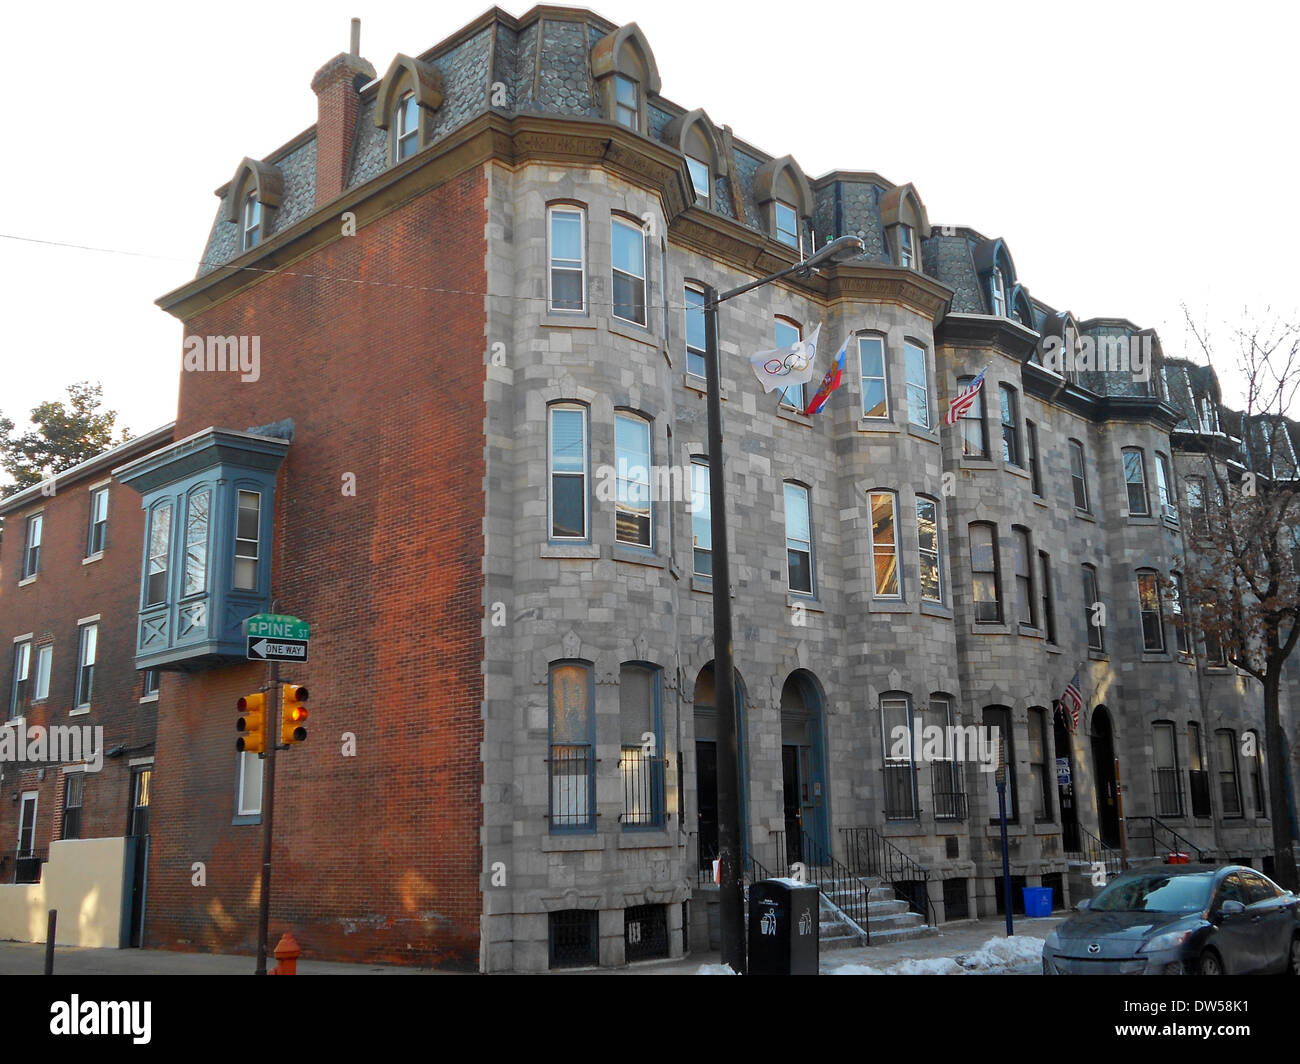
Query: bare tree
{"points": [[1245, 576]]}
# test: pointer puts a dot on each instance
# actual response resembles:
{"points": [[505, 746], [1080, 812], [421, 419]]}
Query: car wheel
{"points": [[1209, 964]]}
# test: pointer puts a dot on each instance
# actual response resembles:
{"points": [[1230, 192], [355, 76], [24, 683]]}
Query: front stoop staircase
{"points": [[888, 919]]}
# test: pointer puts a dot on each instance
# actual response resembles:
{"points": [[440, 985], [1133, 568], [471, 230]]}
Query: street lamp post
{"points": [[731, 898]]}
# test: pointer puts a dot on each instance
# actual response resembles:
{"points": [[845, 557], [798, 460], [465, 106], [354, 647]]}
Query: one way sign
{"points": [[262, 649]]}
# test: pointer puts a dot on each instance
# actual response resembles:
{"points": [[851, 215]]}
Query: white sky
{"points": [[1134, 156]]}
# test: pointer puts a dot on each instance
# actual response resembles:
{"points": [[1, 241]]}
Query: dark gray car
{"points": [[1176, 919]]}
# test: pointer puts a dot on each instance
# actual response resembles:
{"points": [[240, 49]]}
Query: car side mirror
{"points": [[1231, 908], [1084, 903]]}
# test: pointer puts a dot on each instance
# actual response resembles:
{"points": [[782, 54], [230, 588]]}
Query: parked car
{"points": [[1180, 919]]}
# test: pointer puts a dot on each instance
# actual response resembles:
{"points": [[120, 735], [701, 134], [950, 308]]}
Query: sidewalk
{"points": [[28, 958]]}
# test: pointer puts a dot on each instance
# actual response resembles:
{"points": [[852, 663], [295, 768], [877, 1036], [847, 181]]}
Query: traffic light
{"points": [[293, 715], [252, 724]]}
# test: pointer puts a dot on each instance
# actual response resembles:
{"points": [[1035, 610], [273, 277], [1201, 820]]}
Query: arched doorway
{"points": [[706, 765], [1103, 762], [803, 770], [1064, 769]]}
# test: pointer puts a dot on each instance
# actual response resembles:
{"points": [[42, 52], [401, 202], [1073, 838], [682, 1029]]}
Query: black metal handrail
{"points": [[868, 853], [1162, 837], [1093, 851], [22, 865], [752, 870], [819, 868]]}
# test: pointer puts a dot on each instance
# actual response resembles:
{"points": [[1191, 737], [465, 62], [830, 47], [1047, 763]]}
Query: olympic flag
{"points": [[786, 365]]}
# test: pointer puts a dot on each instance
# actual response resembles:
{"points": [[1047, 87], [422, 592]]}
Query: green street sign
{"points": [[280, 625]]}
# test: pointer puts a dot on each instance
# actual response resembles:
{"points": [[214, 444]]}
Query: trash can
{"points": [[784, 919], [1179, 858], [1038, 901]]}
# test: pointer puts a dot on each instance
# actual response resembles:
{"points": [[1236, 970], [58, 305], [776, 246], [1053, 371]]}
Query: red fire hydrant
{"points": [[287, 952]]}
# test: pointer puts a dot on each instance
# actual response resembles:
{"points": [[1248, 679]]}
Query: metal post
{"points": [[1006, 862], [268, 811], [731, 898], [50, 927], [1123, 828]]}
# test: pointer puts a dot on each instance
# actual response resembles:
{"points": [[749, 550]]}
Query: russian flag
{"points": [[829, 382]]}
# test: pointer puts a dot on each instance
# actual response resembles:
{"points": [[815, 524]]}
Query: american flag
{"points": [[965, 398], [1073, 699]]}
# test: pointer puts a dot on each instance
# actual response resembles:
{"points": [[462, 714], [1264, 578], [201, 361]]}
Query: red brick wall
{"points": [[49, 607], [376, 856]]}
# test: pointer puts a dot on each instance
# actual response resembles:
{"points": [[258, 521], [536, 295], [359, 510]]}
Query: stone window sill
{"points": [[149, 698], [1029, 631], [1052, 648], [789, 413], [990, 629], [875, 605], [1040, 501], [699, 384], [929, 435], [641, 839], [936, 609], [28, 580], [1155, 656], [80, 711], [877, 424], [977, 464], [809, 602], [1084, 515], [92, 558], [1141, 519], [576, 550], [1097, 655], [631, 331], [1016, 471], [567, 320], [637, 557], [246, 819], [568, 843]]}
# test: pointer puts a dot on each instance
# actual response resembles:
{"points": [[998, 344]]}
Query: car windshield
{"points": [[1155, 894]]}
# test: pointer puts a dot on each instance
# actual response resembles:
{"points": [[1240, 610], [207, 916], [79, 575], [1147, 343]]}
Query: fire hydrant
{"points": [[287, 952]]}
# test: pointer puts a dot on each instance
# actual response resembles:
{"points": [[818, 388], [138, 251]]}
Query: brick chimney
{"points": [[337, 104]]}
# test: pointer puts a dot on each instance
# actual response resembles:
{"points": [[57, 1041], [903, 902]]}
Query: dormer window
{"points": [[406, 127], [699, 177], [627, 109], [998, 293], [787, 224], [252, 227], [906, 256]]}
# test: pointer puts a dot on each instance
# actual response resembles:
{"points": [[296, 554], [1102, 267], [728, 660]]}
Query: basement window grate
{"points": [[574, 938], [645, 932]]}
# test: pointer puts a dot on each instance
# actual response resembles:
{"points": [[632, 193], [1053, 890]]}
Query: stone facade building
{"points": [[472, 458]]}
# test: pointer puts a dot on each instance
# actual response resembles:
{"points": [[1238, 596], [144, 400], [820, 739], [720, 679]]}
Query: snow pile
{"points": [[995, 955], [715, 969]]}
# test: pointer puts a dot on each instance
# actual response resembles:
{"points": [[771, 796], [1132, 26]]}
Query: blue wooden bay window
{"points": [[208, 501]]}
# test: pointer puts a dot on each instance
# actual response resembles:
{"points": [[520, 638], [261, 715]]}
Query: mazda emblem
{"points": [[1095, 947]]}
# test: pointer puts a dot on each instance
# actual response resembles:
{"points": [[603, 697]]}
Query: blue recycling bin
{"points": [[1038, 901]]}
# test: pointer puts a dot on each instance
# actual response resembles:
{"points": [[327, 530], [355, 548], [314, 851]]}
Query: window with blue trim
{"points": [[568, 472], [632, 479], [572, 760]]}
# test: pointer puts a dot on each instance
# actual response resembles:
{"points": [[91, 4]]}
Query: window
{"points": [[247, 539], [641, 760], [1229, 784], [984, 573], [906, 254], [1196, 774], [22, 672], [946, 778], [1022, 555], [632, 495], [998, 719], [150, 682], [160, 537], [572, 760], [918, 388], [1177, 616], [787, 334], [927, 545], [628, 242], [1078, 476], [1168, 785], [787, 224], [973, 442], [568, 460], [252, 222], [1010, 433], [567, 263], [998, 293], [884, 545], [86, 663], [44, 660], [1135, 478], [701, 518], [1153, 632], [1045, 593], [1205, 415], [32, 554], [98, 522], [699, 178], [1257, 776], [627, 106], [900, 775], [72, 800], [1165, 488], [248, 792], [406, 127], [1093, 612], [875, 396], [196, 543], [1031, 453], [1044, 780], [27, 823], [1195, 489], [696, 340], [798, 539], [1216, 653]]}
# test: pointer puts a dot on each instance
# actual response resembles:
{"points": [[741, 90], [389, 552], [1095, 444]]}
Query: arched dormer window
{"points": [[252, 197], [625, 72], [409, 97], [1021, 308], [784, 200], [902, 214], [997, 275], [693, 135]]}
